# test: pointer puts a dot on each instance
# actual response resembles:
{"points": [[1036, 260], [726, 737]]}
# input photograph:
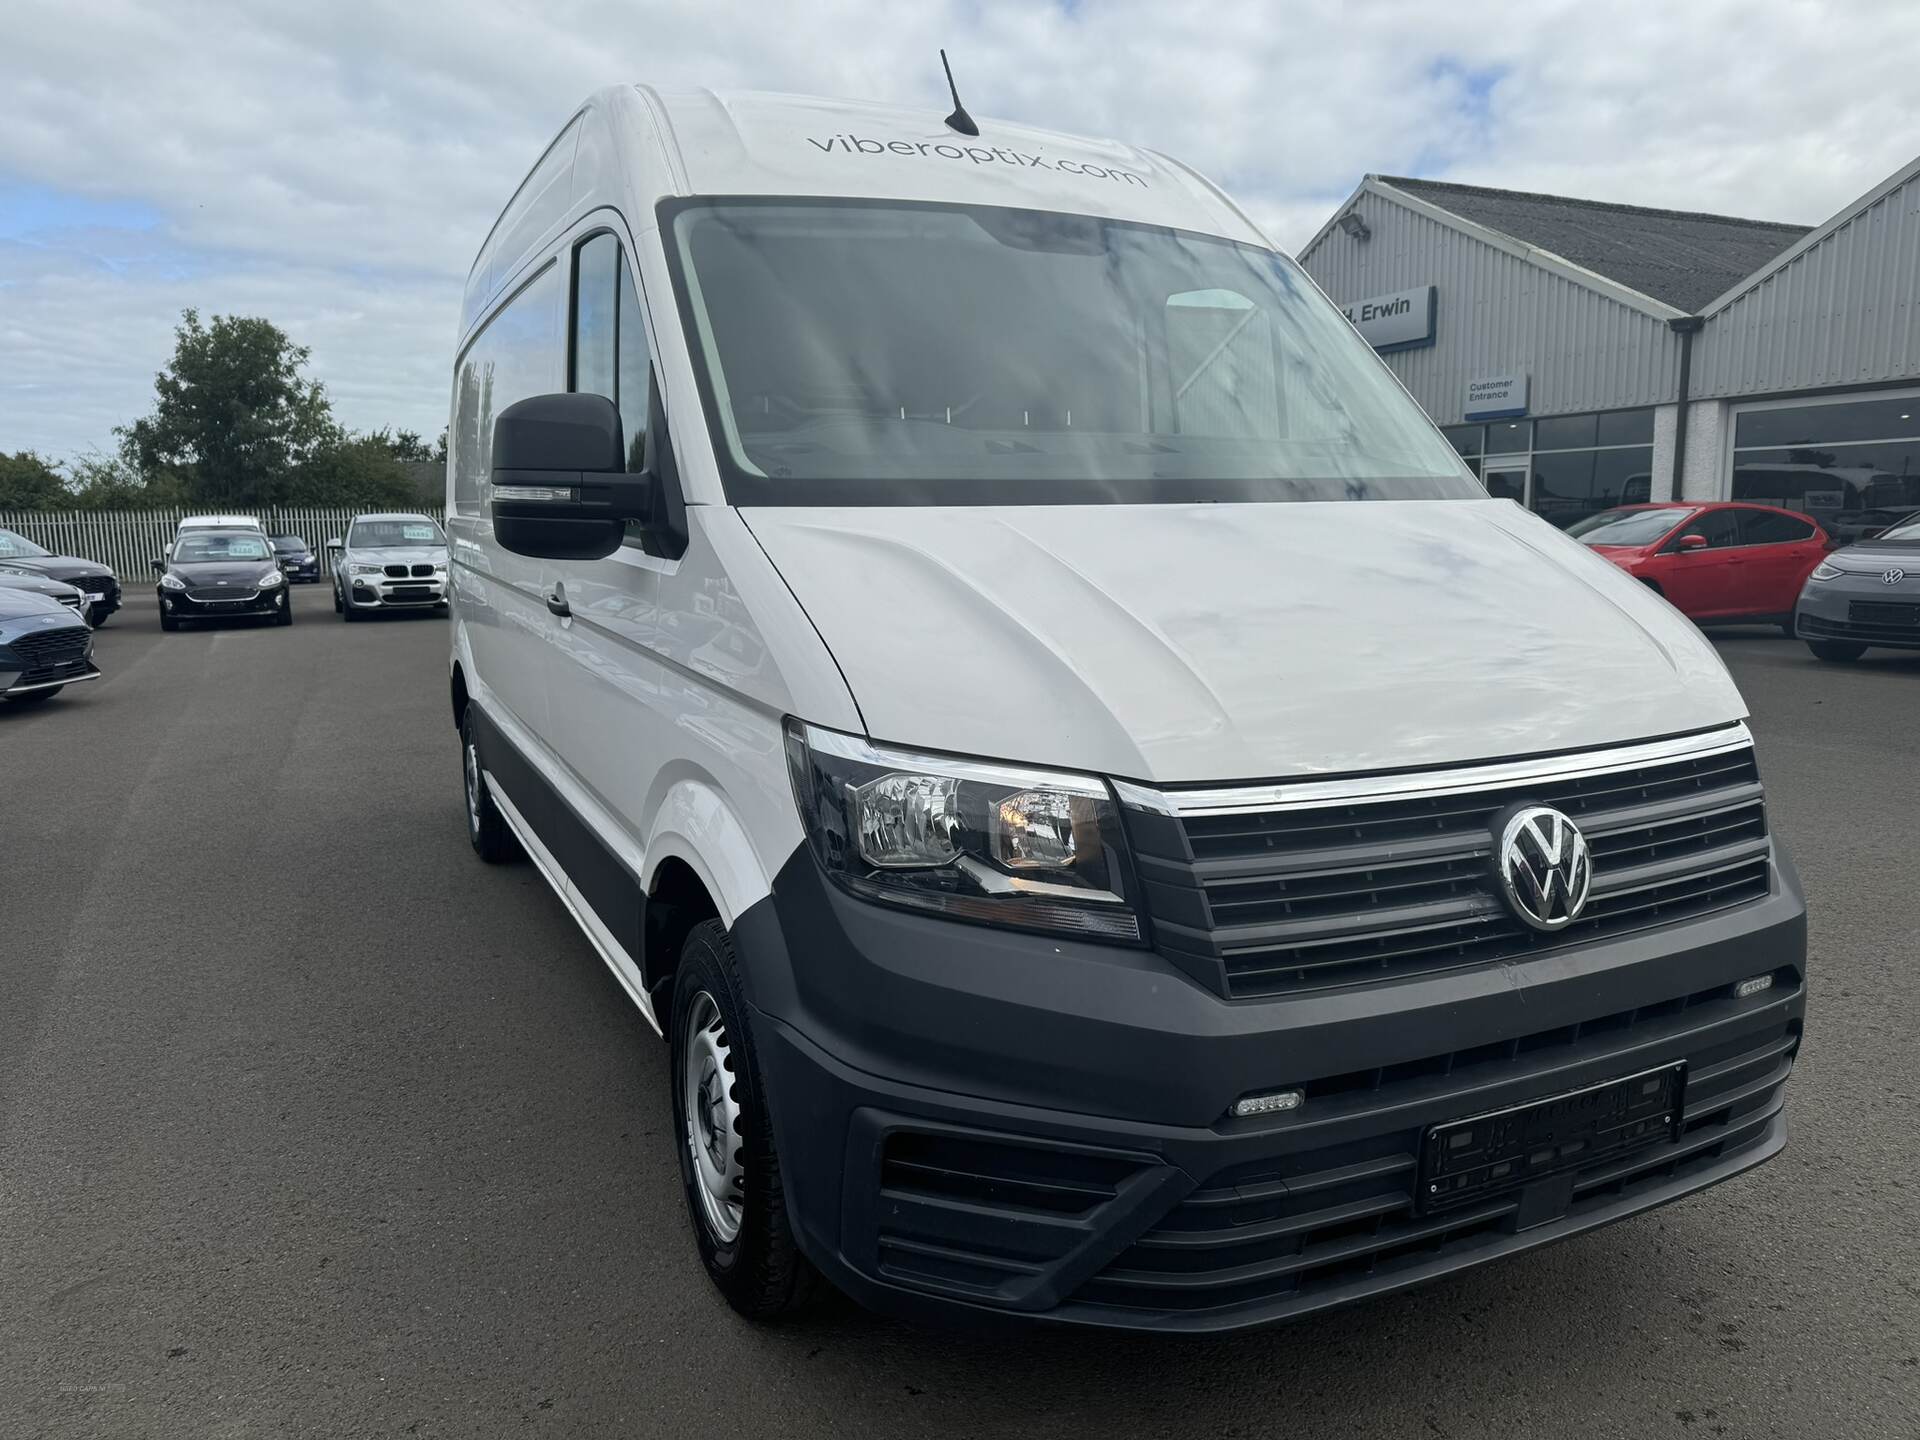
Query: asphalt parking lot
{"points": [[311, 1124]]}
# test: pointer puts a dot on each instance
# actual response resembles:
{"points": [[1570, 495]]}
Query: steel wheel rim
{"points": [[472, 768], [713, 1137]]}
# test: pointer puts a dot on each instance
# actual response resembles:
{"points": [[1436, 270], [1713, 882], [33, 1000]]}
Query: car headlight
{"points": [[363, 569], [170, 581], [17, 570], [271, 579], [1826, 570], [973, 840]]}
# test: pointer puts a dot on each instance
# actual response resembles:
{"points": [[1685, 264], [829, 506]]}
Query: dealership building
{"points": [[1582, 355]]}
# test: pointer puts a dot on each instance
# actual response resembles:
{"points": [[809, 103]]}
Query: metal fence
{"points": [[128, 541]]}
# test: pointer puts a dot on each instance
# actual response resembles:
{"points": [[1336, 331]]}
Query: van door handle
{"points": [[557, 602]]}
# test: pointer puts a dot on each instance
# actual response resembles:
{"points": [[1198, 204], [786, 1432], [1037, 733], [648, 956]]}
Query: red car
{"points": [[1721, 563]]}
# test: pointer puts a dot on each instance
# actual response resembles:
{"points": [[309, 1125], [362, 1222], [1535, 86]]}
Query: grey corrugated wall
{"points": [[1845, 312], [1497, 313]]}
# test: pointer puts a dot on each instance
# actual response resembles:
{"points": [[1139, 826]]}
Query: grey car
{"points": [[394, 561], [71, 596], [44, 647], [1867, 594]]}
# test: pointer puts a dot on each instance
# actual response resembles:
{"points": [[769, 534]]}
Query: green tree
{"points": [[403, 444], [351, 470], [110, 482], [28, 482], [233, 415]]}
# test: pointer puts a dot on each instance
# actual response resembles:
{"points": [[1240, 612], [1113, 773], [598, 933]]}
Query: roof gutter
{"points": [[1686, 327]]}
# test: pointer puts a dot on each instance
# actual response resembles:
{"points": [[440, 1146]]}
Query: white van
{"points": [[1114, 823]]}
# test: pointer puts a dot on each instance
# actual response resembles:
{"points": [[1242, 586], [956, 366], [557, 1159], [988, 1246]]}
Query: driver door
{"points": [[1705, 582]]}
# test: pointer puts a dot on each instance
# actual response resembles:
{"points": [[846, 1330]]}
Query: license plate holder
{"points": [[1467, 1160]]}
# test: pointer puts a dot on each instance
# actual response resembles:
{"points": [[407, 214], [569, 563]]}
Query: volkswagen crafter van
{"points": [[1113, 821]]}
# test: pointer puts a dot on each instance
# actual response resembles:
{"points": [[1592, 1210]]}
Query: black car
{"points": [[297, 560], [22, 557], [219, 574], [44, 647], [70, 596]]}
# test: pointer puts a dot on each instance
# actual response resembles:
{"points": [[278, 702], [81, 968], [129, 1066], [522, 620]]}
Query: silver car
{"points": [[391, 561]]}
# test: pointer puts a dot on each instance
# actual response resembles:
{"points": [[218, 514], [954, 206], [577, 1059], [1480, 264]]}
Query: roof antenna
{"points": [[959, 120]]}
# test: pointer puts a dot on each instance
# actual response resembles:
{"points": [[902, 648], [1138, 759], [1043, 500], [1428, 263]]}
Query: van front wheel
{"points": [[728, 1166]]}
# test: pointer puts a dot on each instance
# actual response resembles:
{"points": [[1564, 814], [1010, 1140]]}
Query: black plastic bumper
{"points": [[974, 1122]]}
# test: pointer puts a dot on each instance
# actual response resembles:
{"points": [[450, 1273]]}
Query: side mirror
{"points": [[561, 490], [334, 544], [1692, 542], [159, 566]]}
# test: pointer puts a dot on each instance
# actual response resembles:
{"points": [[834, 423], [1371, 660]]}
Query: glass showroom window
{"points": [[1577, 464], [1852, 465]]}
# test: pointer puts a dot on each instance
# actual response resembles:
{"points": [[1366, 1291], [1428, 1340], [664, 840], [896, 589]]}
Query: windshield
{"points": [[200, 547], [881, 353], [1907, 529], [18, 547], [1626, 527], [289, 544], [394, 535]]}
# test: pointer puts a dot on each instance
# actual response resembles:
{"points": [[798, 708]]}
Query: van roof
{"points": [[743, 142]]}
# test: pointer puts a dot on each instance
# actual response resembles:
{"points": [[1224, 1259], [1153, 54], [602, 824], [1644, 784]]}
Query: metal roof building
{"points": [[1582, 354]]}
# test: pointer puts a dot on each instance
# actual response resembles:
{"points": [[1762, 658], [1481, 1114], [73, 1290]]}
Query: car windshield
{"points": [[1907, 529], [394, 535], [18, 547], [202, 547], [1626, 527], [880, 353], [289, 544]]}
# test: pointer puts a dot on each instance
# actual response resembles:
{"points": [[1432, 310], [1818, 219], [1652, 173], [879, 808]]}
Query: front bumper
{"points": [[375, 592], [978, 1123], [1861, 609], [186, 605], [303, 572]]}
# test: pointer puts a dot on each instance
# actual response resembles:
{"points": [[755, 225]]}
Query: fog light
{"points": [[1753, 986], [1271, 1104]]}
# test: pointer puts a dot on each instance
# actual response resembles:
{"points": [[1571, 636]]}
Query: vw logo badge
{"points": [[1543, 865], [1892, 577]]}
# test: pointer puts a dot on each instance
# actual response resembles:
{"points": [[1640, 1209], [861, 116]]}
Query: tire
{"points": [[487, 828], [1838, 651], [98, 615], [338, 608], [1787, 629], [747, 1244], [168, 622], [36, 697], [285, 617], [348, 613]]}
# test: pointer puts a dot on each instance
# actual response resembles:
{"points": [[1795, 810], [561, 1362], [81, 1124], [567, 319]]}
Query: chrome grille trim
{"points": [[1305, 794]]}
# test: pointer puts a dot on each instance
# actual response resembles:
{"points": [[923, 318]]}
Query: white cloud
{"points": [[333, 166]]}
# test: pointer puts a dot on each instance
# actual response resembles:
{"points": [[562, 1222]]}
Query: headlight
{"points": [[1826, 570], [997, 844], [363, 569], [271, 579], [17, 570], [170, 581]]}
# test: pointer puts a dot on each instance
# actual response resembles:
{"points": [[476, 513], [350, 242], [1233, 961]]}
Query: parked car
{"points": [[20, 556], [1076, 880], [217, 574], [71, 596], [392, 561], [297, 560], [1867, 594], [44, 647], [1719, 564]]}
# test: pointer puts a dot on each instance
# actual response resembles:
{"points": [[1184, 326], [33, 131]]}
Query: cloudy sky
{"points": [[333, 164]]}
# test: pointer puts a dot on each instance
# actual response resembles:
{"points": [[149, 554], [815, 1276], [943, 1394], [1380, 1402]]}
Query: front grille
{"points": [[1884, 612], [217, 595], [397, 572], [1301, 1226], [1864, 632], [1315, 895], [51, 649], [423, 570]]}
